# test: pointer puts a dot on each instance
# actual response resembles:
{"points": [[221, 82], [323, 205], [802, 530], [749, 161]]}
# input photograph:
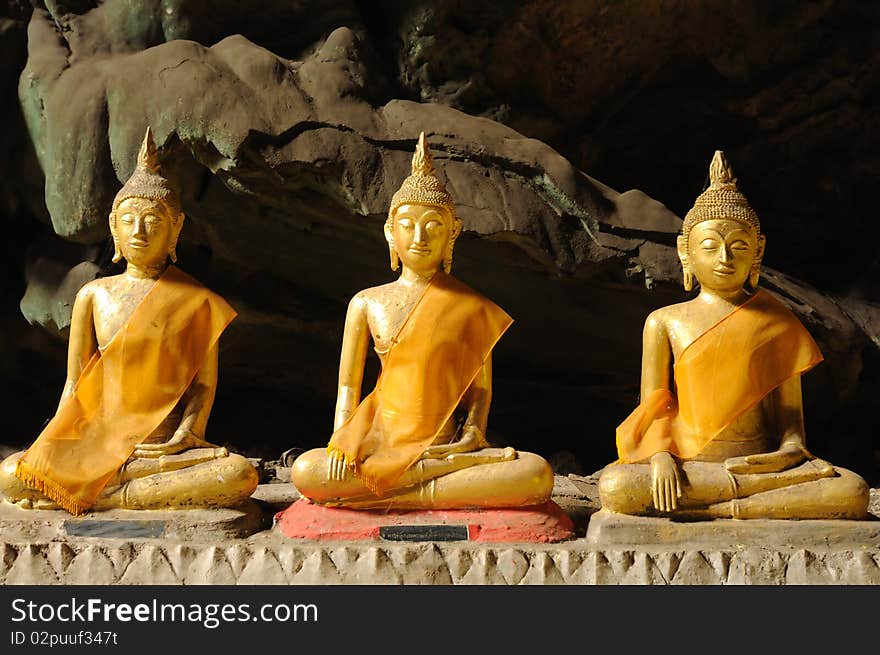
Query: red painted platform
{"points": [[538, 523]]}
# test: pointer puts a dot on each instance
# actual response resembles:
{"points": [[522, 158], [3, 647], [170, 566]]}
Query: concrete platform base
{"points": [[38, 549], [542, 524], [218, 524], [607, 529], [282, 561]]}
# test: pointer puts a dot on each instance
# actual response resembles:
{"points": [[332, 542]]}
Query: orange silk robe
{"points": [[435, 356], [724, 372], [124, 393]]}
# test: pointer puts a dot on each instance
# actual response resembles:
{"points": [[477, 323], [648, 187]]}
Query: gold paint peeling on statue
{"points": [[141, 378], [719, 432], [418, 440]]}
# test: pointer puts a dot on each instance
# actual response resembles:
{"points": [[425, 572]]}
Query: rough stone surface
{"points": [[639, 94], [271, 559], [220, 524], [275, 496], [607, 529]]}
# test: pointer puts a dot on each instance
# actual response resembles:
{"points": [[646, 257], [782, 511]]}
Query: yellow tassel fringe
{"points": [[49, 488], [352, 465]]}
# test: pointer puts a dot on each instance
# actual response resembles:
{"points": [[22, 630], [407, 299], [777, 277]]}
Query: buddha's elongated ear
{"points": [[456, 228], [681, 246], [176, 226], [450, 245], [389, 237], [687, 274], [755, 272], [117, 254], [759, 248]]}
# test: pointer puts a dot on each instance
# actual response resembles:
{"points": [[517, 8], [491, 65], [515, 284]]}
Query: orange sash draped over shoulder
{"points": [[435, 356], [125, 392], [724, 372]]}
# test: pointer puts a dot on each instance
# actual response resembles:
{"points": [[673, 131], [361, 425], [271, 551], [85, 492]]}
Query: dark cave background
{"points": [[285, 187]]}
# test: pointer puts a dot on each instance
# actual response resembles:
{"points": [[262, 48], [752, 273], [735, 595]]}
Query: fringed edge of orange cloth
{"points": [[50, 489], [352, 465]]}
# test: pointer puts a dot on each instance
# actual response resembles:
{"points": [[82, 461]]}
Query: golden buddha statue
{"points": [[719, 432], [418, 440], [141, 378]]}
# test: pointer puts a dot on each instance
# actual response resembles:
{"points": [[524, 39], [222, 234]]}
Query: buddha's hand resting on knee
{"points": [[788, 456], [181, 440], [472, 438], [336, 468], [665, 482]]}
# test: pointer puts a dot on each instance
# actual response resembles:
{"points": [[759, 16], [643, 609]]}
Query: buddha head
{"points": [[146, 217], [422, 227], [721, 242]]}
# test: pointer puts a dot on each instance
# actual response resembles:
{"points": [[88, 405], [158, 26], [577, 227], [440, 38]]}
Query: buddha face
{"points": [[421, 236], [721, 253], [144, 231]]}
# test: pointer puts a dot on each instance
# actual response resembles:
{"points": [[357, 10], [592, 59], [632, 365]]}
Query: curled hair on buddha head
{"points": [[422, 187], [721, 200], [147, 182]]}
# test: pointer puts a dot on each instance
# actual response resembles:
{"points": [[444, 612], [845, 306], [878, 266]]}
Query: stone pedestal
{"points": [[31, 525], [541, 523], [607, 530], [36, 549]]}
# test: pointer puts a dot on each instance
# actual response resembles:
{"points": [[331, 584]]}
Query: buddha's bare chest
{"points": [[114, 303], [688, 325], [387, 313]]}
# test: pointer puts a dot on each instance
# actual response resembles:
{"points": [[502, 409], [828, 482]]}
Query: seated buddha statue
{"points": [[719, 432], [418, 440], [141, 377]]}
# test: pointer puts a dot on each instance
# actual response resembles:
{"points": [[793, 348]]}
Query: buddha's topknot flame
{"points": [[421, 186], [148, 156], [720, 172], [721, 200], [147, 180], [422, 161]]}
